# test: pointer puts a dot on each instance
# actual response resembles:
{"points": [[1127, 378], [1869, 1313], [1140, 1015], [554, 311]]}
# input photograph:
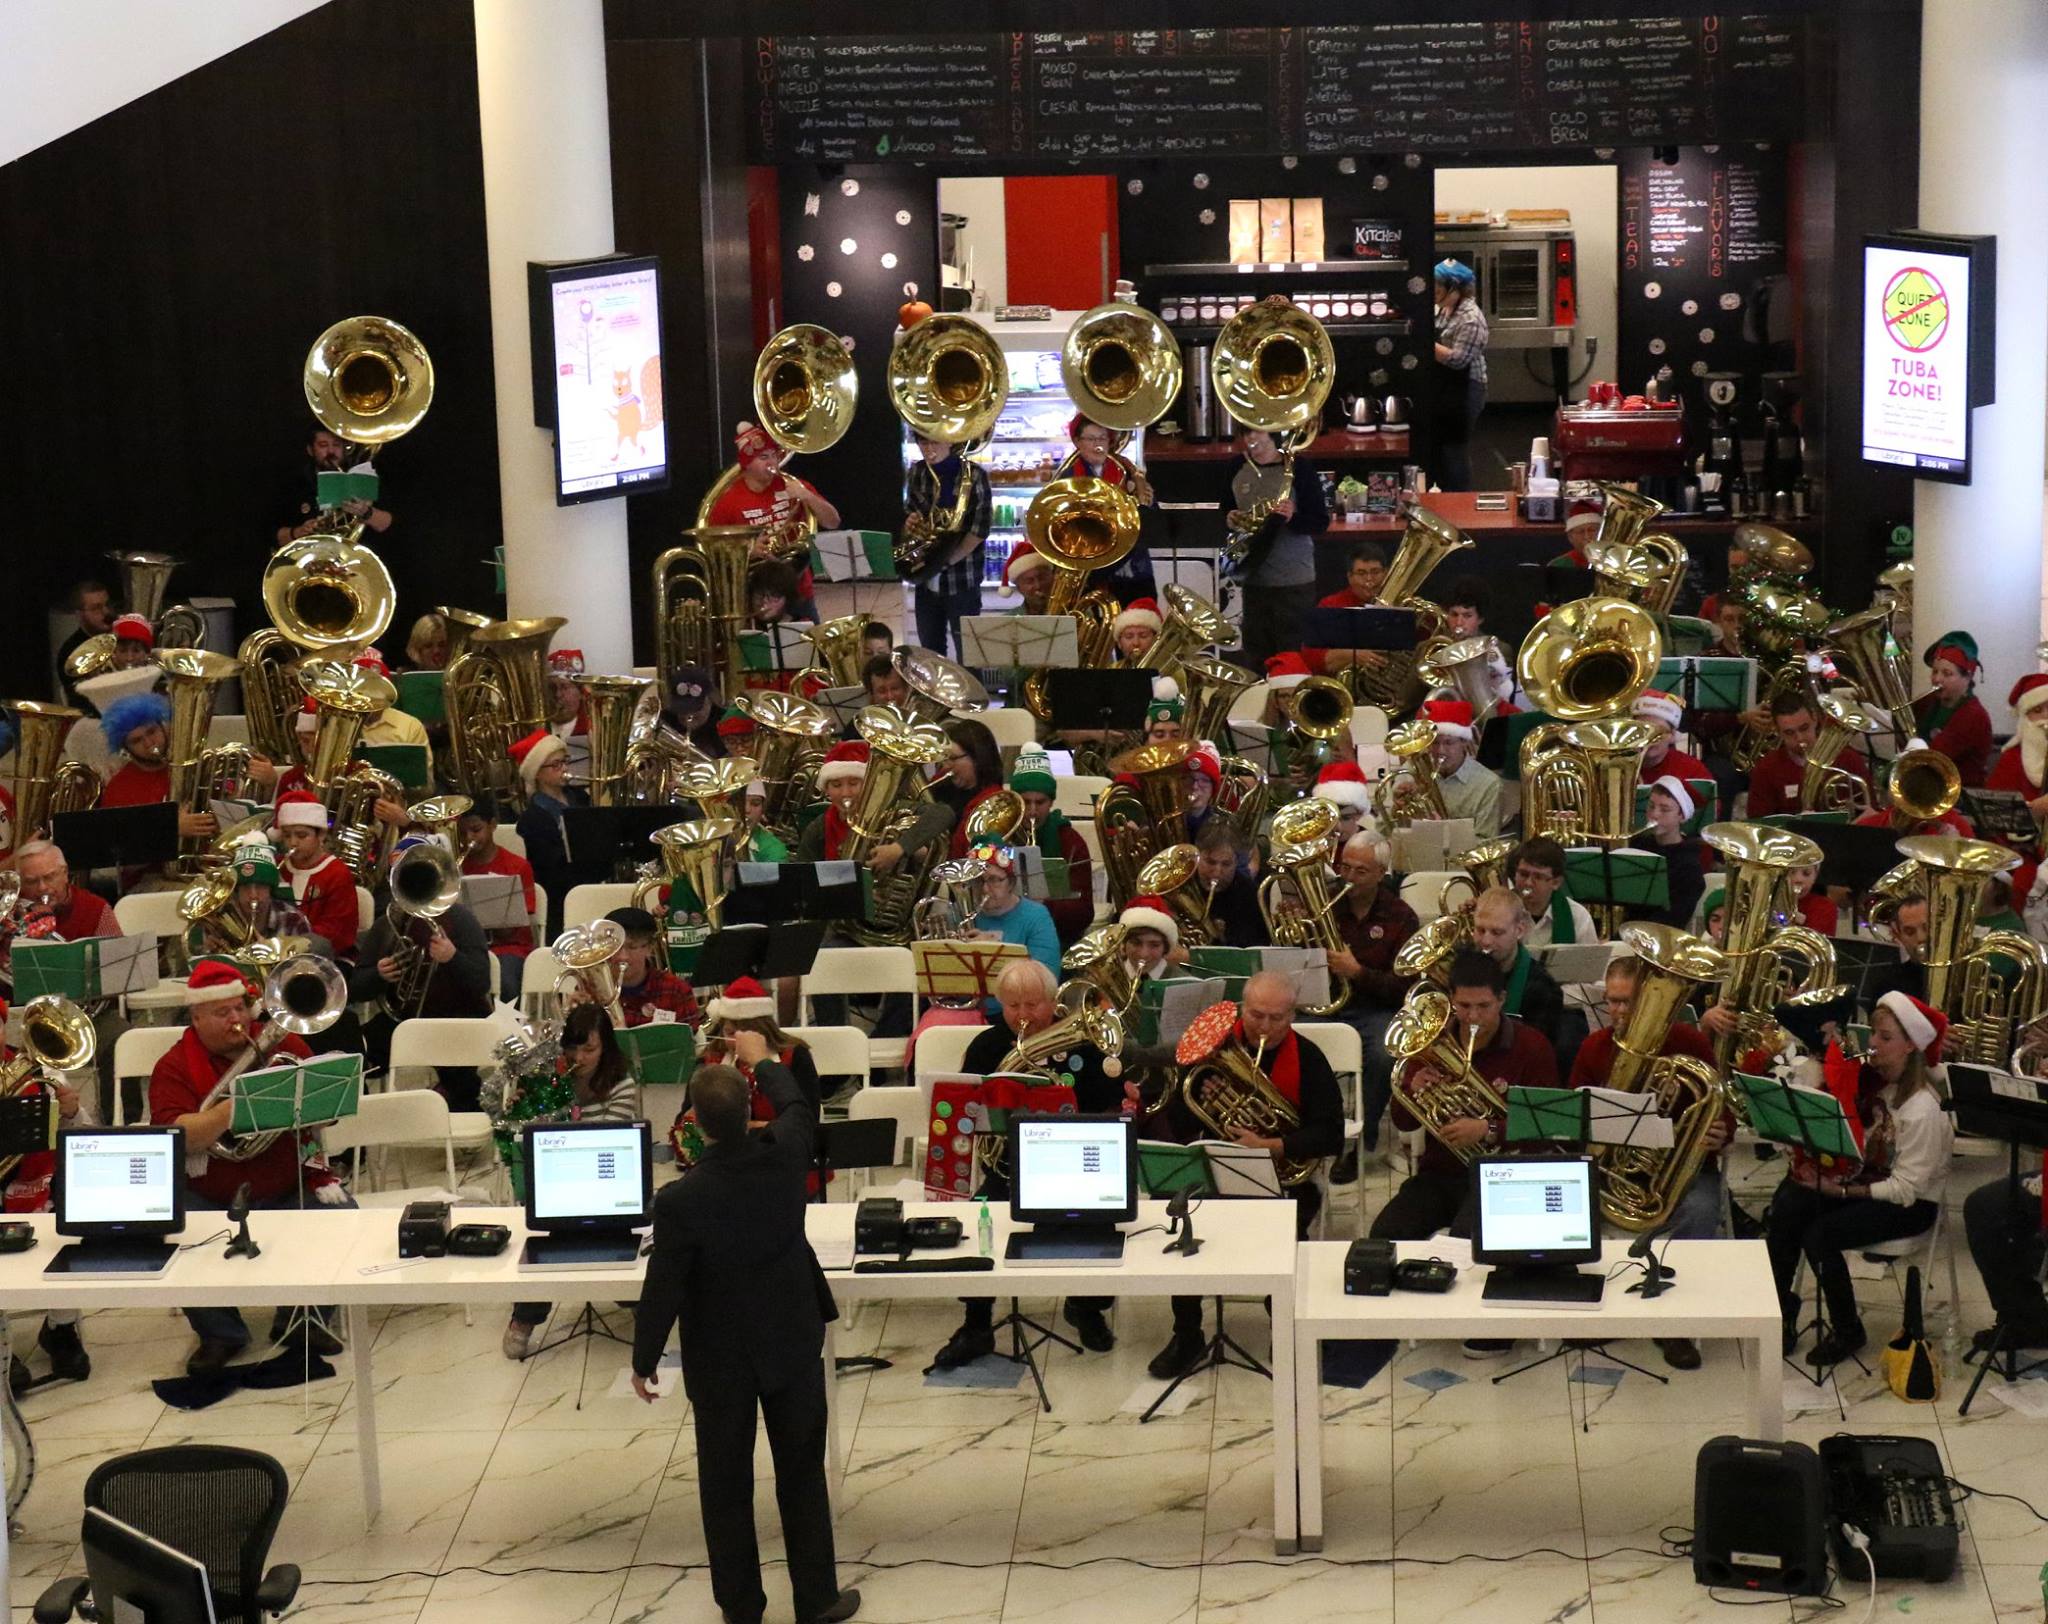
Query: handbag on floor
{"points": [[1909, 1365]]}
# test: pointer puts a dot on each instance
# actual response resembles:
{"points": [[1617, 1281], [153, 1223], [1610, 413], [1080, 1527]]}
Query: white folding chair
{"points": [[538, 919], [1368, 727], [1344, 1048], [136, 1052], [508, 839], [428, 1042], [150, 913], [1923, 1249], [1075, 795], [841, 971], [228, 729], [1012, 726], [837, 1051], [1250, 706], [1420, 889], [586, 903], [537, 973], [1091, 837], [366, 911]]}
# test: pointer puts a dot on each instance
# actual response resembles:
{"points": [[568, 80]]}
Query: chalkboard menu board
{"points": [[1145, 93]]}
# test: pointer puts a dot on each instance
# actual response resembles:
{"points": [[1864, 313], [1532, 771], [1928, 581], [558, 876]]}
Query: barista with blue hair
{"points": [[1460, 371]]}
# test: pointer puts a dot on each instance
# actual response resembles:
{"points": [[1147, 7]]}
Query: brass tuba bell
{"points": [[327, 593], [368, 380], [1121, 366], [948, 380], [1589, 658]]}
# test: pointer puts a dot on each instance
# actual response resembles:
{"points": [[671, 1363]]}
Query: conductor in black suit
{"points": [[731, 1262]]}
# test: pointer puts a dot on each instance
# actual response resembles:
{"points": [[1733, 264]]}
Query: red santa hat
{"points": [[743, 1000], [847, 759], [133, 628], [749, 440], [1921, 1022], [565, 662], [213, 982], [534, 752], [1675, 788], [371, 660], [2029, 693], [1208, 763], [300, 809], [1286, 670], [1023, 556], [1151, 913], [1138, 612], [1655, 705], [1451, 717], [1343, 782]]}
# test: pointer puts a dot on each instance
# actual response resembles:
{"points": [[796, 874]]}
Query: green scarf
{"points": [[1518, 980], [1562, 931], [1939, 716]]}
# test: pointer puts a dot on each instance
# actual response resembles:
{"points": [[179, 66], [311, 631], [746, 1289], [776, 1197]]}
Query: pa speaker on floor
{"points": [[1758, 1517]]}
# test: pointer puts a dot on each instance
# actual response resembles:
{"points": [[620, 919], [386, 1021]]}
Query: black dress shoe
{"points": [[969, 1343], [312, 1334], [844, 1608], [69, 1361], [1836, 1346], [1680, 1352], [1090, 1326], [212, 1354], [1178, 1357]]}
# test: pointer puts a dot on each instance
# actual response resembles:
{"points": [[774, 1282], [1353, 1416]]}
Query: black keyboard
{"points": [[1896, 1491]]}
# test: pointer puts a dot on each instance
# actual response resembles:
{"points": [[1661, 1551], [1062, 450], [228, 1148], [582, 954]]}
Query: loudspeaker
{"points": [[1758, 1519]]}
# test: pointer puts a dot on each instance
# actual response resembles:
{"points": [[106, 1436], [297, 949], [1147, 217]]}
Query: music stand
{"points": [[961, 974], [2001, 814], [601, 841], [1113, 701], [1998, 1105], [1016, 642], [1614, 879], [776, 893], [117, 836], [1380, 628], [843, 1147], [1851, 855]]}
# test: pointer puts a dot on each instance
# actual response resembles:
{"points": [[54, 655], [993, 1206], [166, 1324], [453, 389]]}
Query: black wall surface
{"points": [[165, 270]]}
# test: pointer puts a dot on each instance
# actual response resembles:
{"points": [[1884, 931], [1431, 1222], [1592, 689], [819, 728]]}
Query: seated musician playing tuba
{"points": [[1300, 1074], [319, 882], [1468, 789]]}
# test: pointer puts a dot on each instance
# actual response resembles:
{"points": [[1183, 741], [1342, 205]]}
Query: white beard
{"points": [[2033, 741]]}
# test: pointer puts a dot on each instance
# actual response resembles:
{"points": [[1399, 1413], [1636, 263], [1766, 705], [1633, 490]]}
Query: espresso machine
{"points": [[1721, 464], [1784, 459]]}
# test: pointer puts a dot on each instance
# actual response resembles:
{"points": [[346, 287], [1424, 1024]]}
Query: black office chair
{"points": [[217, 1505]]}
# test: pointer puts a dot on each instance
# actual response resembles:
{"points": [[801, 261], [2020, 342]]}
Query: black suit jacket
{"points": [[730, 1259]]}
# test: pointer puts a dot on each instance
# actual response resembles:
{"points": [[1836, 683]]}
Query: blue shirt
{"points": [[1029, 922]]}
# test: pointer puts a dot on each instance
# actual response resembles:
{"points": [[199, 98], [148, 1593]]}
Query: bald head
{"points": [[1267, 1006]]}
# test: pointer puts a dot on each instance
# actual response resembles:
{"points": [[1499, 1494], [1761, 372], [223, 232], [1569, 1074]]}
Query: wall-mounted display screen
{"points": [[1919, 333], [598, 384]]}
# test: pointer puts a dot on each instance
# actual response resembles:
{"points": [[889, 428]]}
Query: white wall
{"points": [[980, 198], [64, 63], [1590, 192]]}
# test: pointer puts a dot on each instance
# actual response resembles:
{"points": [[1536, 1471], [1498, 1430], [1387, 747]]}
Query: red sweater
{"points": [[1677, 764], [1965, 738], [326, 895], [514, 942], [776, 505], [1774, 781], [1519, 1055], [136, 785], [183, 1078]]}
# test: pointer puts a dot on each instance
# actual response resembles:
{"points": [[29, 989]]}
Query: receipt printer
{"points": [[878, 1225], [1369, 1268], [423, 1229]]}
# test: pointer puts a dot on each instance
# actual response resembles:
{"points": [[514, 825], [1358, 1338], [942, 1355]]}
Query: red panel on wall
{"points": [[1053, 229], [764, 250]]}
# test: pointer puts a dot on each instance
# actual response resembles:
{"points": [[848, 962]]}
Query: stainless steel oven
{"points": [[1528, 280]]}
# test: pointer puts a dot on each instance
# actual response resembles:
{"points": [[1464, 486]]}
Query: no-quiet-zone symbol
{"points": [[1915, 309]]}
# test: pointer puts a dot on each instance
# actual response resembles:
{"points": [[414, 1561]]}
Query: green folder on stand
{"points": [[1546, 1115], [405, 762], [1235, 962], [1808, 1118], [1708, 682], [420, 695], [298, 1094], [56, 969], [1166, 1169], [1688, 635], [660, 1052], [1623, 877], [1704, 795]]}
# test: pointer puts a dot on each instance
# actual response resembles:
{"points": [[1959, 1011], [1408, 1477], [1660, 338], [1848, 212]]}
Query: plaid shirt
{"points": [[964, 575], [1463, 332]]}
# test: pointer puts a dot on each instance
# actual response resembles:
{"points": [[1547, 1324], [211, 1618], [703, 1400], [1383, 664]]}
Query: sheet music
{"points": [[497, 900], [999, 642], [1577, 963], [1181, 1000], [844, 703], [1254, 741], [855, 555], [127, 964], [1617, 1117], [1308, 968], [1241, 1170]]}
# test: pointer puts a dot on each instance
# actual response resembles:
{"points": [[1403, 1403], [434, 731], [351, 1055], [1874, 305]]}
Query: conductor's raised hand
{"points": [[749, 1048]]}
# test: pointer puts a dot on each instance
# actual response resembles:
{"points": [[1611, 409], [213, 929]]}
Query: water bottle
{"points": [[985, 1228]]}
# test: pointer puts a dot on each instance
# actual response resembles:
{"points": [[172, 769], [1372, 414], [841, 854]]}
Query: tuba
{"points": [[1301, 860], [948, 381], [328, 594], [1192, 624], [1445, 1087], [1272, 367], [1776, 619], [1171, 876], [900, 753], [368, 380], [56, 1037], [837, 642], [939, 688], [1410, 790], [948, 912], [1211, 685], [1589, 658], [1640, 1189], [1463, 668], [700, 603], [805, 391], [1319, 709], [1761, 951], [1211, 1051], [1160, 771], [200, 773], [1990, 986], [1121, 366], [496, 693], [1823, 786], [271, 694], [1097, 960], [1485, 866], [1628, 560], [791, 738], [610, 703], [589, 956], [1080, 525], [344, 698], [1923, 787], [692, 853], [1426, 542], [45, 783], [208, 903], [301, 995], [1426, 956], [425, 884]]}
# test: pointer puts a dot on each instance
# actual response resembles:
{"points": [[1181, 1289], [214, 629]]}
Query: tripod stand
{"points": [[586, 1327], [1223, 1350], [2005, 1344]]}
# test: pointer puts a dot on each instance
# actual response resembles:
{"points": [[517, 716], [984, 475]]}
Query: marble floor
{"points": [[1449, 1498]]}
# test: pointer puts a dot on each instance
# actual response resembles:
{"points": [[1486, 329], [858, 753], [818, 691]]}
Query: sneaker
{"points": [[69, 1361], [1836, 1346], [1090, 1325], [517, 1342], [213, 1353], [1486, 1347], [1178, 1357], [1680, 1352], [969, 1343]]}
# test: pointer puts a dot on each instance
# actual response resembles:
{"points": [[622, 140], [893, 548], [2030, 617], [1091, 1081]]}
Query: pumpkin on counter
{"points": [[911, 312]]}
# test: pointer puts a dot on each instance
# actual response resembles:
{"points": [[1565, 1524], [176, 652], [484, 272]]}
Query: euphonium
{"points": [[1989, 986], [1192, 624], [838, 642], [1320, 710], [1161, 774], [199, 773], [700, 603], [1079, 526], [1640, 1189], [1485, 866], [900, 753], [692, 853], [1426, 956], [1463, 668], [996, 819], [948, 912], [1552, 800], [56, 1037], [1242, 796], [589, 956], [496, 693], [45, 783], [344, 698], [208, 903], [438, 815], [1426, 542], [1210, 686], [1757, 859], [1211, 1052], [302, 995], [609, 704], [1272, 367], [939, 688], [271, 694], [1823, 786], [1171, 876], [1301, 860], [1589, 658], [1649, 571], [1098, 960], [1445, 1088], [1924, 787], [1410, 790], [791, 736], [425, 884], [1081, 1020]]}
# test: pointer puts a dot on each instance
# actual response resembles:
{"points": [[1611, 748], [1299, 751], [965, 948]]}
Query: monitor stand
{"points": [[1066, 1246], [112, 1257], [1552, 1287]]}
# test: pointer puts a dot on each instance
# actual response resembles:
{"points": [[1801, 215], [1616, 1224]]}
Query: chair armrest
{"points": [[278, 1588], [61, 1601]]}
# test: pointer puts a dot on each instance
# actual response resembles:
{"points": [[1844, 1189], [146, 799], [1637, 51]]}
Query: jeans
{"points": [[1697, 1217], [225, 1324], [939, 615], [1455, 453], [1822, 1228], [1376, 1075]]}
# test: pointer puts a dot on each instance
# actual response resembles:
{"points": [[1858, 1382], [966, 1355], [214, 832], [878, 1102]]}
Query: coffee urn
{"points": [[1198, 397]]}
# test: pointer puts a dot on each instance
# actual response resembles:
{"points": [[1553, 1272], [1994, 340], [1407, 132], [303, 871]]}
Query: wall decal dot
{"points": [[910, 290], [847, 245], [1653, 290], [849, 188], [1409, 363], [1379, 183], [1383, 346], [1379, 377], [1347, 166], [1706, 335], [1289, 162], [832, 290], [1134, 186], [1691, 307], [1207, 217], [1731, 301], [1415, 284], [1201, 182], [1604, 154], [810, 204], [1699, 369], [847, 340], [804, 251], [1412, 159], [903, 217], [1711, 150], [888, 262], [1656, 346]]}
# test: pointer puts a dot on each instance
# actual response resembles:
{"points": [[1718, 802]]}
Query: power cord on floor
{"points": [[1970, 1492], [1856, 1537]]}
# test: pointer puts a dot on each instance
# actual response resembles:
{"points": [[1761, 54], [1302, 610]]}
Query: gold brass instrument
{"points": [[1865, 652], [45, 783], [1752, 743], [145, 581], [1551, 801], [1485, 866], [1989, 985], [996, 819], [838, 642], [939, 688], [209, 903], [1410, 789], [1426, 956], [1121, 366], [91, 658], [1764, 953], [1078, 526], [356, 834], [805, 391], [368, 380], [1639, 1188], [1242, 796], [719, 787], [1192, 624], [1098, 960], [1224, 1087], [589, 956], [1426, 542], [1170, 875], [327, 594], [1771, 555], [302, 995], [56, 1037], [1599, 764], [791, 736], [609, 703], [900, 755], [692, 853], [1923, 787], [1648, 572], [1441, 1085], [1319, 709], [1081, 1020], [1463, 669], [1134, 823], [425, 884], [200, 773], [460, 624], [271, 694], [1272, 367], [1776, 621], [948, 911], [1301, 862], [1589, 658], [1823, 786], [700, 603], [947, 384], [437, 815], [1210, 686], [496, 693], [344, 698]]}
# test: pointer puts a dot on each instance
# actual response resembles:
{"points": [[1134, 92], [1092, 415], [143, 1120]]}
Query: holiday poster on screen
{"points": [[1916, 358], [609, 419]]}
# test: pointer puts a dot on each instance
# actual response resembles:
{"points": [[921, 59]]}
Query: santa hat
{"points": [[1343, 783], [565, 662], [1023, 556], [2029, 693], [749, 441], [1921, 1022], [1959, 649], [1675, 788], [847, 759], [534, 752], [212, 981], [1032, 775], [371, 660], [299, 808], [134, 629], [1150, 913], [1138, 612], [757, 786], [1452, 718], [1285, 670], [1208, 763], [1655, 705], [743, 1000], [134, 711], [1076, 423]]}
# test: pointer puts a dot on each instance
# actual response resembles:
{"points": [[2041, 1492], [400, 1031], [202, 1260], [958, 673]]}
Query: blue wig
{"points": [[131, 711]]}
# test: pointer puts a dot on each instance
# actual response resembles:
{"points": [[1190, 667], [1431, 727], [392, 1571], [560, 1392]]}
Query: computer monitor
{"points": [[139, 1580], [588, 1176], [1535, 1212], [119, 1183], [1073, 1170]]}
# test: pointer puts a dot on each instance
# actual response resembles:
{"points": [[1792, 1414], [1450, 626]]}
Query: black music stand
{"points": [[842, 1147], [1851, 855], [117, 836], [1982, 1110], [603, 842], [1113, 701], [764, 952], [2001, 814], [776, 893], [1377, 627]]}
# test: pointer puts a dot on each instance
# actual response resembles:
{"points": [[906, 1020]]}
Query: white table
{"points": [[1722, 1289]]}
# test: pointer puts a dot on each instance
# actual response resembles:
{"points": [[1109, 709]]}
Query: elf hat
{"points": [[255, 862], [1138, 612], [1343, 782], [1959, 649], [534, 752], [1150, 913], [300, 808], [1033, 773], [1655, 705], [743, 1000], [1165, 710], [1675, 788], [1921, 1022], [212, 982], [847, 759], [1453, 718], [735, 723]]}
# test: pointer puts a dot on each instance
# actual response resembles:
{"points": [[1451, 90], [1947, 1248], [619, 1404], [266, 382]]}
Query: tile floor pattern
{"points": [[490, 1466]]}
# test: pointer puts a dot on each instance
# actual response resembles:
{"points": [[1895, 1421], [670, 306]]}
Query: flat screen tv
{"points": [[597, 374]]}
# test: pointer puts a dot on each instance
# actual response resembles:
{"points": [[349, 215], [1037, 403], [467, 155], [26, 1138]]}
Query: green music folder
{"points": [[1809, 1118], [420, 694], [1704, 795], [63, 969], [331, 488], [298, 1094], [405, 762], [1167, 1169], [1625, 877], [1708, 682], [1234, 962], [660, 1052], [1546, 1114]]}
